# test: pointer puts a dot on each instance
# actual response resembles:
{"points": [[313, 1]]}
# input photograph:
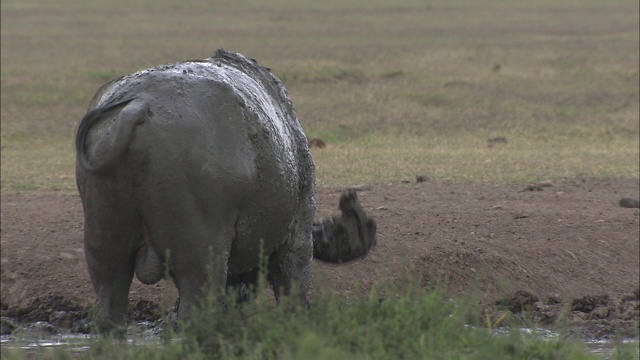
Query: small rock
{"points": [[545, 183], [531, 188], [420, 178], [497, 140], [629, 203], [313, 142]]}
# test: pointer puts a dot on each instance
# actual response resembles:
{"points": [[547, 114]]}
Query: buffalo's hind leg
{"points": [[290, 265], [111, 235], [198, 256]]}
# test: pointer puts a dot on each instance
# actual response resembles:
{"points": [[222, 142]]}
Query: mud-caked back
{"points": [[277, 91]]}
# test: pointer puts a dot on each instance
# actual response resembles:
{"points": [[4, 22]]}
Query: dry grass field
{"points": [[393, 88]]}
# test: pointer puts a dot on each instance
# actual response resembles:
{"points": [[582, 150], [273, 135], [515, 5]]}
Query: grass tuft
{"points": [[394, 324]]}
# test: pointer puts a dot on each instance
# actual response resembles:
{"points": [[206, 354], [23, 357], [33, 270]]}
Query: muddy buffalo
{"points": [[194, 170]]}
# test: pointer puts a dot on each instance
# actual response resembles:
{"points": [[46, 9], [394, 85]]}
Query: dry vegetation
{"points": [[394, 88]]}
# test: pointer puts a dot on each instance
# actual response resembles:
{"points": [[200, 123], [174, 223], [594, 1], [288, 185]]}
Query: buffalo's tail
{"points": [[88, 121]]}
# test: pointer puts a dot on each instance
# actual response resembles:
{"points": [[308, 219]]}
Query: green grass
{"points": [[392, 87], [413, 323]]}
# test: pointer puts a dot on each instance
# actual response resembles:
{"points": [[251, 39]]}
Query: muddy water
{"points": [[35, 345], [604, 349]]}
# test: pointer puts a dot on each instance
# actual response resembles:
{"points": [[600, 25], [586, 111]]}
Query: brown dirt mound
{"points": [[522, 251]]}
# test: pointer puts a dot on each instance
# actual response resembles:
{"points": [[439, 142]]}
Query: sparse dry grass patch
{"points": [[38, 163], [384, 158], [394, 87]]}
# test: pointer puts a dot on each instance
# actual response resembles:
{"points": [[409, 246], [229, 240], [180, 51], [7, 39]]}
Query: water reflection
{"points": [[604, 348], [34, 343]]}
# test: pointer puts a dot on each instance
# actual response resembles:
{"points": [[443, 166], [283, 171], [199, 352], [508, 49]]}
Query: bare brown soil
{"points": [[513, 247]]}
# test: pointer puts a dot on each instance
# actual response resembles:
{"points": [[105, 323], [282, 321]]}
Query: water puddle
{"points": [[34, 345], [604, 349]]}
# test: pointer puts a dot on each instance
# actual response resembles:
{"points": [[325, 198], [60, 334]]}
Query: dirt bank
{"points": [[519, 247]]}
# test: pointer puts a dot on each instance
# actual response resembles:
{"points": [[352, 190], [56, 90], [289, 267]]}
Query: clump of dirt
{"points": [[51, 313], [144, 310], [592, 317], [587, 304], [629, 203], [519, 302], [41, 308], [55, 314]]}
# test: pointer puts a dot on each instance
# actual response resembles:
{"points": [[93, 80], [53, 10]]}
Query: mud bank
{"points": [[533, 253]]}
